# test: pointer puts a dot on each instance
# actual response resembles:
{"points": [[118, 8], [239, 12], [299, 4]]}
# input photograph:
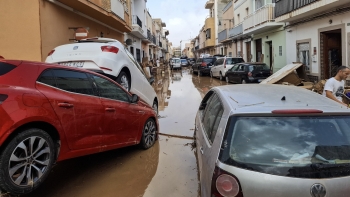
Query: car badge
{"points": [[75, 48], [318, 190]]}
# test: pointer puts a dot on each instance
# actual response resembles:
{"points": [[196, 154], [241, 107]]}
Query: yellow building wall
{"points": [[20, 30], [55, 22], [210, 23]]}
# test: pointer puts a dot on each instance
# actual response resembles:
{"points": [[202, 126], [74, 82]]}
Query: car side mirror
{"points": [[134, 98]]}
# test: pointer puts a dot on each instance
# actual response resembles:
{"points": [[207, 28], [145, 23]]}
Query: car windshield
{"points": [[289, 146], [135, 62], [209, 60], [258, 67], [177, 61], [233, 60]]}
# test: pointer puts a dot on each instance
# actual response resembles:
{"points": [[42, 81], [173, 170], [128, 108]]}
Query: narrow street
{"points": [[169, 168]]}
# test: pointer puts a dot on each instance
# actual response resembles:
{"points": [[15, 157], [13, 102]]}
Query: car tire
{"points": [[124, 80], [155, 107], [211, 74], [227, 80], [17, 159], [243, 81], [221, 77], [149, 134]]}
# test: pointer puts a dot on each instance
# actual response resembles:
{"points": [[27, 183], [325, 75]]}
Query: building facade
{"points": [[45, 24], [317, 34]]}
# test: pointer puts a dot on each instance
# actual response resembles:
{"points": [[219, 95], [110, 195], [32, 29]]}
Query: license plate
{"points": [[72, 64]]}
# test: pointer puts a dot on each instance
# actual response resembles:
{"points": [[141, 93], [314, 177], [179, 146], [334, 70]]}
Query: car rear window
{"points": [[289, 146], [258, 67], [5, 68], [234, 60], [209, 60], [184, 61]]}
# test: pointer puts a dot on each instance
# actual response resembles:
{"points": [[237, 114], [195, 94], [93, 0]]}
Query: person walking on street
{"points": [[157, 62], [334, 87]]}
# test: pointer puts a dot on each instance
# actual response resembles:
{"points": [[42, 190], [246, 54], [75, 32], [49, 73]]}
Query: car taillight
{"points": [[51, 52], [204, 64], [250, 74], [225, 184], [3, 97], [111, 49]]}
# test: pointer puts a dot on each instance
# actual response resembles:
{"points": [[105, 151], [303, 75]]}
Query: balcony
{"points": [[236, 31], [114, 13], [291, 10], [222, 35], [209, 4], [262, 20], [137, 27]]}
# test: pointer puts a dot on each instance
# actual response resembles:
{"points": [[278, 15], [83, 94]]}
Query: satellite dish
{"points": [[128, 42]]}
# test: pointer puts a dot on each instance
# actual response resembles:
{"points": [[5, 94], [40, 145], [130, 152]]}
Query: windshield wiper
{"points": [[325, 166]]}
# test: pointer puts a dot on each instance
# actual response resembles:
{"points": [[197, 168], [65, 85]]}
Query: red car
{"points": [[50, 113]]}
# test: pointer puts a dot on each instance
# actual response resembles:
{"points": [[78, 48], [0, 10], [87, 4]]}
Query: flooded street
{"points": [[169, 168]]}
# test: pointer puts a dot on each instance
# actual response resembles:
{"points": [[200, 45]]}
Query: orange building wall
{"points": [[20, 30], [55, 22]]}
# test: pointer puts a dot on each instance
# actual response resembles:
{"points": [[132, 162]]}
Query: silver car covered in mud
{"points": [[272, 141]]}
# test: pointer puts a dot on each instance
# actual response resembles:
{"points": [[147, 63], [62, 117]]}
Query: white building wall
{"points": [[310, 30]]}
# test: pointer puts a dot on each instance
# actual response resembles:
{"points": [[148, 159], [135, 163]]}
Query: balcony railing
{"points": [[222, 35], [260, 16], [154, 39], [237, 30], [136, 21], [149, 35], [283, 7]]}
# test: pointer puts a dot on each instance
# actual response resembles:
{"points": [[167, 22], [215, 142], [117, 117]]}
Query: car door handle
{"points": [[202, 150], [65, 105], [109, 109]]}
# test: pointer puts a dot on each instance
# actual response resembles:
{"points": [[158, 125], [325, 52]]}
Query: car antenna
{"points": [[283, 98]]}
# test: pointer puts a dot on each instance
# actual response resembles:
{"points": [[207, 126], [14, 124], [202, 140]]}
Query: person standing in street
{"points": [[157, 62], [334, 87]]}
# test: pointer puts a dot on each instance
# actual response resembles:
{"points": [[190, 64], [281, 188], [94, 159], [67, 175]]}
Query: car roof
{"points": [[261, 98]]}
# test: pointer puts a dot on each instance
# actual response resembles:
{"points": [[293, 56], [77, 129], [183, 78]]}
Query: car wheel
{"points": [[155, 107], [243, 81], [124, 80], [26, 161], [227, 79], [221, 77], [149, 134], [211, 74]]}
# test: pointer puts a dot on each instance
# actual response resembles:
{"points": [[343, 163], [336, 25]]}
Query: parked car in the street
{"points": [[108, 57], [203, 65], [222, 65], [272, 140], [50, 113], [184, 62], [248, 73], [176, 63]]}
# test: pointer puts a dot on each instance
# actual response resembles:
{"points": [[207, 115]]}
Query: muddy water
{"points": [[167, 169]]}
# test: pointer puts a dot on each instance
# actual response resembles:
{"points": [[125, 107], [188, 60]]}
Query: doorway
{"points": [[269, 56], [330, 52], [249, 51], [258, 53], [138, 55]]}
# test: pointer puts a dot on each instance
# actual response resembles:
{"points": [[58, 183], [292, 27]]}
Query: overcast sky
{"points": [[183, 18]]}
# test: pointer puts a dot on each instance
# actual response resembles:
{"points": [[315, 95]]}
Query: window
{"points": [[207, 34], [280, 50], [47, 78], [212, 112], [110, 90], [5, 68], [73, 81], [304, 54]]}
